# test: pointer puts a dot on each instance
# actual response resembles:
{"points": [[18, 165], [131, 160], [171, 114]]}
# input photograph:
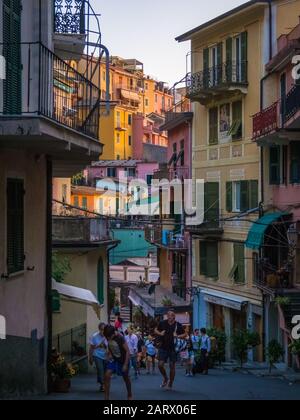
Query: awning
{"points": [[130, 96], [257, 232], [138, 301], [77, 295], [224, 299]]}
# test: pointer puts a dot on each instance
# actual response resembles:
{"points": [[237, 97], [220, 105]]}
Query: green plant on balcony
{"points": [[167, 302], [282, 301], [244, 341], [274, 353], [295, 348]]}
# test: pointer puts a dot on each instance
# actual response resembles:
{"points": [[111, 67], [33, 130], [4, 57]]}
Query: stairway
{"points": [[125, 315]]}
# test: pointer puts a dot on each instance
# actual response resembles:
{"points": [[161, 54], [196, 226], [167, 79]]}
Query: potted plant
{"points": [[282, 301], [274, 353], [167, 302], [243, 341], [61, 373], [218, 346], [295, 350]]}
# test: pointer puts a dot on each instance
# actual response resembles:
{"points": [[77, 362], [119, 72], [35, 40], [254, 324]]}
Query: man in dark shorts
{"points": [[168, 330], [118, 360]]}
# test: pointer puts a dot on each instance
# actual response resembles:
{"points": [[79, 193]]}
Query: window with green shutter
{"points": [[12, 100], [295, 162], [56, 303], [229, 45], [15, 225], [206, 75], [274, 165], [244, 57], [213, 126], [242, 196], [84, 203], [236, 129], [253, 194], [238, 270], [211, 202], [209, 259], [229, 196]]}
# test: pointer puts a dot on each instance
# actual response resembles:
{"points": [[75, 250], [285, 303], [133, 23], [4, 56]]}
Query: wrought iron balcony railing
{"points": [[277, 115], [69, 16], [43, 84], [223, 75], [159, 236]]}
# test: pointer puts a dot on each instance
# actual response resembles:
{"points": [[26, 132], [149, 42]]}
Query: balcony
{"points": [[166, 237], [205, 85], [179, 172], [279, 120], [69, 28], [46, 101], [79, 231], [207, 230]]}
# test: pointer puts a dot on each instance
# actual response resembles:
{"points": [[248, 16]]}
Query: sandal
{"points": [[165, 383]]}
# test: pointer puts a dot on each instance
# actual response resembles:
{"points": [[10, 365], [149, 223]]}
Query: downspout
{"points": [[48, 296], [270, 30]]}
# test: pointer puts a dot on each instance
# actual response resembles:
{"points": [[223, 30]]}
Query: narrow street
{"points": [[219, 385]]}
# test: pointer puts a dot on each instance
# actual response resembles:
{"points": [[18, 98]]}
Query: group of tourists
{"points": [[115, 352]]}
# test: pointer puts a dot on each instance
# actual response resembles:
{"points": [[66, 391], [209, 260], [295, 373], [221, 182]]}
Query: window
{"points": [[146, 102], [118, 157], [236, 58], [149, 179], [295, 162], [104, 76], [15, 225], [213, 126], [130, 140], [275, 165], [64, 193], [238, 270], [169, 103], [156, 98], [111, 172], [211, 202], [84, 203], [241, 196], [130, 172], [129, 119], [76, 201], [146, 86], [118, 119], [209, 259], [118, 138]]}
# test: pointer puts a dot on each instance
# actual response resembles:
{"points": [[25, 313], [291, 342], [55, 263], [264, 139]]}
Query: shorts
{"points": [[151, 358], [167, 356], [116, 368]]}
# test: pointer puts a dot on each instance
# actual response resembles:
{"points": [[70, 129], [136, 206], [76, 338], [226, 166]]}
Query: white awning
{"points": [[224, 299], [138, 301], [77, 295]]}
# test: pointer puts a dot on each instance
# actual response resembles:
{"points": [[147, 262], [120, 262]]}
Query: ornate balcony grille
{"points": [[266, 121], [228, 73], [292, 103], [69, 16]]}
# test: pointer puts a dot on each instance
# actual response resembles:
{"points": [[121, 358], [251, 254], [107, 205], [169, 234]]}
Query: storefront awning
{"points": [[77, 295], [224, 299], [257, 232], [130, 96]]}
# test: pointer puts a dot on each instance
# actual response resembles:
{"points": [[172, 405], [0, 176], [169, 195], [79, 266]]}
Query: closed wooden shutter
{"points": [[237, 120], [253, 187], [15, 225], [239, 262], [12, 100], [206, 75], [213, 126], [274, 166], [203, 259], [211, 202], [212, 260], [220, 62]]}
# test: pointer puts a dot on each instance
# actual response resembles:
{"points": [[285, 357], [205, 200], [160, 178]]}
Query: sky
{"points": [[146, 30]]}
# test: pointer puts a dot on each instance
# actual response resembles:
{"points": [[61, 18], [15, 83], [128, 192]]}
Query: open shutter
{"points": [[206, 67], [245, 194], [213, 126], [239, 261], [56, 303], [203, 259], [237, 120], [220, 62], [229, 188], [253, 194], [244, 57], [295, 163], [12, 101], [274, 165], [15, 225], [229, 59]]}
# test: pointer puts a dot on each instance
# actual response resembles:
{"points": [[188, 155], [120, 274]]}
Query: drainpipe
{"points": [[270, 30], [48, 297]]}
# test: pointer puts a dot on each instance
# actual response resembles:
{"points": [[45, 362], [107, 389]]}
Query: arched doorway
{"points": [[100, 281]]}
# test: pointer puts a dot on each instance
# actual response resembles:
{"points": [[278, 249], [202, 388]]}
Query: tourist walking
{"points": [[168, 331], [132, 343], [98, 354], [118, 360], [205, 348], [150, 354]]}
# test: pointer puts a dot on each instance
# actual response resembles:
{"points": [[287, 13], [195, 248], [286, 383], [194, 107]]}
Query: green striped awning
{"points": [[257, 232]]}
